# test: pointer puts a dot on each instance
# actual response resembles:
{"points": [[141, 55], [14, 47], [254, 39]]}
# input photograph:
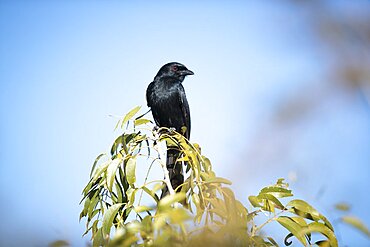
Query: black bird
{"points": [[167, 100]]}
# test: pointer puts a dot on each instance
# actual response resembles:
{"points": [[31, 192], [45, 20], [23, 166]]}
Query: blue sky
{"points": [[66, 65]]}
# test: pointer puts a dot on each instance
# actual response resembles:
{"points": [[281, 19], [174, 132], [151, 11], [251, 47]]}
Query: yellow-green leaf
{"points": [[272, 241], [151, 193], [100, 169], [141, 121], [178, 215], [278, 192], [131, 192], [157, 187], [270, 197], [108, 218], [142, 208], [324, 230], [342, 206], [323, 243], [292, 227], [59, 243], [254, 201], [219, 180], [356, 223], [207, 164], [305, 208], [98, 238], [95, 162], [130, 171], [299, 220], [168, 200], [111, 172], [130, 115], [159, 221]]}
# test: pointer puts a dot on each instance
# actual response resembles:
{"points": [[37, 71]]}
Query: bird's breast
{"points": [[165, 94]]}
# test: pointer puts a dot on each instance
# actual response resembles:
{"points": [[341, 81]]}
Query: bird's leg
{"points": [[162, 131], [155, 131]]}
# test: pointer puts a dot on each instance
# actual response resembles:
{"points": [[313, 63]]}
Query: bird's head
{"points": [[175, 70]]}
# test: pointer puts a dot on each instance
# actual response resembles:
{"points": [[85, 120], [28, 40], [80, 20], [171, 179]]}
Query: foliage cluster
{"points": [[120, 210]]}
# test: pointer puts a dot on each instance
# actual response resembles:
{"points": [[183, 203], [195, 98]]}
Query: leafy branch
{"points": [[204, 211]]}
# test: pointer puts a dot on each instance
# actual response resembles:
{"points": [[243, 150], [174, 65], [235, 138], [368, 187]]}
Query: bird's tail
{"points": [[175, 171]]}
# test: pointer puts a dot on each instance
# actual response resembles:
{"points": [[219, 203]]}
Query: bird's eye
{"points": [[175, 68]]}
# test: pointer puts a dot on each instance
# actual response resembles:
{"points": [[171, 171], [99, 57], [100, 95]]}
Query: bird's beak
{"points": [[187, 72]]}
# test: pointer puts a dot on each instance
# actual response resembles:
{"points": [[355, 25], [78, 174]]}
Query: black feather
{"points": [[167, 99]]}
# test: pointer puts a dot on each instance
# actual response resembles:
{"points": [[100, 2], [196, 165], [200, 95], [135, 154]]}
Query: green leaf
{"points": [[304, 209], [98, 238], [96, 162], [254, 201], [119, 191], [59, 243], [131, 192], [258, 241], [356, 223], [280, 183], [178, 215], [219, 180], [130, 170], [168, 200], [100, 169], [147, 223], [218, 207], [92, 206], [301, 221], [207, 164], [90, 228], [198, 217], [159, 221], [130, 115], [323, 243], [94, 228], [183, 158], [111, 172], [241, 209], [108, 218], [270, 197], [115, 144], [272, 241], [117, 124], [86, 207], [196, 200], [292, 227], [278, 192], [157, 186], [133, 227], [142, 208], [342, 206], [123, 179], [323, 229], [151, 193], [141, 121]]}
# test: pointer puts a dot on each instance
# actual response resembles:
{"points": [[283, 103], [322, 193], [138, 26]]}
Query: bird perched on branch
{"points": [[167, 100]]}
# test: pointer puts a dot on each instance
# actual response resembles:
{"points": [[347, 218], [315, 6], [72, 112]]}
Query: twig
{"points": [[146, 179], [162, 161]]}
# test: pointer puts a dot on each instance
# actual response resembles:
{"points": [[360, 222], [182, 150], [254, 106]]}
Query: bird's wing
{"points": [[148, 92], [184, 105]]}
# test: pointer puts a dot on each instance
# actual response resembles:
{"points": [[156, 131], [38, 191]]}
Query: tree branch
{"points": [[162, 151]]}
